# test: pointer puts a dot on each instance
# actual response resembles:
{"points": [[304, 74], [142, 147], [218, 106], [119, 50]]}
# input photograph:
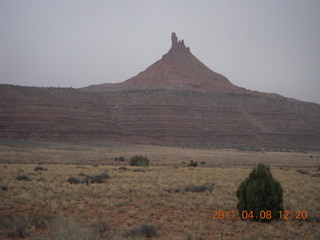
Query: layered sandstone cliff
{"points": [[175, 101]]}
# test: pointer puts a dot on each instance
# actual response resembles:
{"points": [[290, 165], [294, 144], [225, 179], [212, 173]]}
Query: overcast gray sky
{"points": [[269, 46]]}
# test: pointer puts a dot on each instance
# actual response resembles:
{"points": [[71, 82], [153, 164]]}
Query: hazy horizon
{"points": [[267, 46]]}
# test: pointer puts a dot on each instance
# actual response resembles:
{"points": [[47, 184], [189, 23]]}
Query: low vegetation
{"points": [[173, 200], [192, 164], [302, 171], [142, 231], [73, 180], [260, 196], [199, 188], [19, 227], [23, 178], [4, 188], [139, 170], [139, 160], [40, 168], [121, 159], [123, 168], [100, 178]]}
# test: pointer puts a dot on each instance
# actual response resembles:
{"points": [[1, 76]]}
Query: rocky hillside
{"points": [[175, 101]]}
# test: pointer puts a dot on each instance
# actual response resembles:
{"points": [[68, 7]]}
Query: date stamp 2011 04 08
{"points": [[286, 215]]}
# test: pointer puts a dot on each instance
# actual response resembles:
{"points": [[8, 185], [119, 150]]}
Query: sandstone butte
{"points": [[177, 101]]}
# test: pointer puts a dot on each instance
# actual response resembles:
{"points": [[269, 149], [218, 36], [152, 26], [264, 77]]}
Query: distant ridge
{"points": [[177, 101]]}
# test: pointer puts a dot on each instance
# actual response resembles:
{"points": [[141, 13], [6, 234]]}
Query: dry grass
{"points": [[105, 153], [130, 198]]}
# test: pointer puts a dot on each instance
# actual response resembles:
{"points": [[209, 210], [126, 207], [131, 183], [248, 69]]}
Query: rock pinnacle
{"points": [[178, 44]]}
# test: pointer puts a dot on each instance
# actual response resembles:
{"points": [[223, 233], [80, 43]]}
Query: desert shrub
{"points": [[139, 170], [99, 226], [39, 168], [89, 179], [123, 168], [23, 178], [73, 180], [199, 188], [41, 221], [173, 190], [301, 171], [18, 226], [59, 228], [143, 231], [139, 161], [96, 179], [260, 192], [121, 159], [203, 163], [116, 235], [4, 188], [103, 175], [21, 172], [72, 229], [192, 164]]}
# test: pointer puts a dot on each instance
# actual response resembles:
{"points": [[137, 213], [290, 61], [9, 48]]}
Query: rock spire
{"points": [[178, 69], [178, 44]]}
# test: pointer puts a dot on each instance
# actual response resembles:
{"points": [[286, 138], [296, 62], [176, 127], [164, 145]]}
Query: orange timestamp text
{"points": [[261, 215]]}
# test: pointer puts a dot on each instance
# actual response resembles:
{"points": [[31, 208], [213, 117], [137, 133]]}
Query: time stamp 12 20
{"points": [[262, 215]]}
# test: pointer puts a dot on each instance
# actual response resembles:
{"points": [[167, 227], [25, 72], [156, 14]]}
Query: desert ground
{"points": [[160, 201]]}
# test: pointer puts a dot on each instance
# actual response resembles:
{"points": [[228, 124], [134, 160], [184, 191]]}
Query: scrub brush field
{"points": [[166, 200]]}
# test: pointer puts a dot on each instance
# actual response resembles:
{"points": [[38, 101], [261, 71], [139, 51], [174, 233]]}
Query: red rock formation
{"points": [[176, 70], [175, 101]]}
